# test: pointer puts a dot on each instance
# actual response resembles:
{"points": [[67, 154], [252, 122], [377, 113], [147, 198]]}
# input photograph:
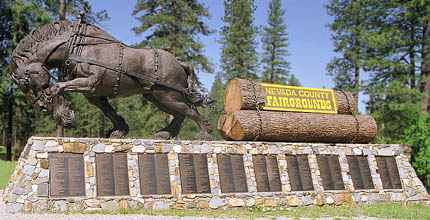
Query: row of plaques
{"points": [[67, 175]]}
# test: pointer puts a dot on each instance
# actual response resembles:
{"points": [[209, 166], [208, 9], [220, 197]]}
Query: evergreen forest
{"points": [[387, 40]]}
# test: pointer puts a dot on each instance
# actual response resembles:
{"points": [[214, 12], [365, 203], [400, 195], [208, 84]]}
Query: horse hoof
{"points": [[163, 135], [203, 136], [117, 134]]}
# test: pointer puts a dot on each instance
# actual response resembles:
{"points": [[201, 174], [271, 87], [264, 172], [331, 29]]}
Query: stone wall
{"points": [[28, 189]]}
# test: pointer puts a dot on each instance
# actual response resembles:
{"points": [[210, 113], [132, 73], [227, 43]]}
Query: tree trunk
{"points": [[3, 140], [18, 133], [62, 10], [174, 30], [425, 67], [412, 53], [102, 125], [239, 95], [9, 133], [297, 127], [357, 56], [62, 16]]}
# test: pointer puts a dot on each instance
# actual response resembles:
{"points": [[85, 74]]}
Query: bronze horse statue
{"points": [[92, 62]]}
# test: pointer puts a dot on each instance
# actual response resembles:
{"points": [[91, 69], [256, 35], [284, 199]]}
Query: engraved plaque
{"points": [[232, 173], [360, 172], [67, 175], [112, 174], [387, 169], [194, 173], [267, 173], [299, 173], [154, 174], [330, 172]]}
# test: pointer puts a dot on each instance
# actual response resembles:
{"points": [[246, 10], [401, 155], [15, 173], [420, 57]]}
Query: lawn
{"points": [[383, 210], [6, 169]]}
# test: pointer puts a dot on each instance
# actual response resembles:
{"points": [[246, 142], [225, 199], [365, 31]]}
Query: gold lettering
{"points": [[294, 93], [304, 103], [323, 106], [268, 91], [283, 91], [285, 101], [316, 104], [292, 103], [275, 101], [269, 100], [298, 105], [301, 93], [310, 103], [328, 103]]}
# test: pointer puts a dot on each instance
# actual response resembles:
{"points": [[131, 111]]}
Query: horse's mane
{"points": [[29, 45]]}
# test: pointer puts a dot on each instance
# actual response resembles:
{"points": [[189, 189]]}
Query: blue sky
{"points": [[310, 45]]}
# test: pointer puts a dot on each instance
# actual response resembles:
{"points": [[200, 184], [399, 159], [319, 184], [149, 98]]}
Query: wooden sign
{"points": [[330, 172], [154, 174], [267, 173], [360, 172], [194, 173], [299, 173], [387, 169], [112, 174], [232, 173], [298, 99], [66, 175]]}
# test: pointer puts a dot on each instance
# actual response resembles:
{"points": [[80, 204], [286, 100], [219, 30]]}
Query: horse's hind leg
{"points": [[120, 129], [172, 129], [176, 101]]}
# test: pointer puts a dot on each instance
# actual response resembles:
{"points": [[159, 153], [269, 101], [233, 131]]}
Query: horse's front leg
{"points": [[84, 85]]}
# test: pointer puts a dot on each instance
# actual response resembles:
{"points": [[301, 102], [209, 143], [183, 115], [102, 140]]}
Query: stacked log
{"points": [[242, 122], [239, 95]]}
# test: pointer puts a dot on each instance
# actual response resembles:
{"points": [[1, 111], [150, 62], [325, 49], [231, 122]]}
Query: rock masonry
{"points": [[28, 189]]}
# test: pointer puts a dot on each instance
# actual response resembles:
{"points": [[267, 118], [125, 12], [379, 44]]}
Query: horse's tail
{"points": [[193, 95], [191, 76]]}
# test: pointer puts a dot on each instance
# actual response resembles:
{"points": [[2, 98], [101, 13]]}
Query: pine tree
{"points": [[275, 43], [18, 17], [175, 26], [239, 57], [70, 9], [347, 27], [293, 81]]}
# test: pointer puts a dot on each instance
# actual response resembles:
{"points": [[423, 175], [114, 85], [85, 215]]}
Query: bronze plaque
{"points": [[299, 173], [112, 174], [267, 173], [360, 172], [330, 172], [194, 173], [154, 174], [387, 169], [232, 173], [66, 174]]}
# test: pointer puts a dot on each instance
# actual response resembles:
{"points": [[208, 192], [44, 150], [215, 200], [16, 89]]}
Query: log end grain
{"points": [[233, 96], [230, 128]]}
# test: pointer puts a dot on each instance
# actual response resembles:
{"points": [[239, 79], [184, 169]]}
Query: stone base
{"points": [[28, 189]]}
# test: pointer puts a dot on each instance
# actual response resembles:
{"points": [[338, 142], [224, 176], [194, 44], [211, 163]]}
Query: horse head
{"points": [[33, 81]]}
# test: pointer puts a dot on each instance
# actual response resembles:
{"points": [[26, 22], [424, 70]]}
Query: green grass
{"points": [[382, 210], [6, 169]]}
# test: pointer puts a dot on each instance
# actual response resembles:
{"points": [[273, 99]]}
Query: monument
{"points": [[285, 146]]}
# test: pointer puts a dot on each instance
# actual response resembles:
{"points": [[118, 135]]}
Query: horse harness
{"points": [[74, 47]]}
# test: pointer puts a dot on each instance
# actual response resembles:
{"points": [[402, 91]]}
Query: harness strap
{"points": [[102, 38], [77, 59]]}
